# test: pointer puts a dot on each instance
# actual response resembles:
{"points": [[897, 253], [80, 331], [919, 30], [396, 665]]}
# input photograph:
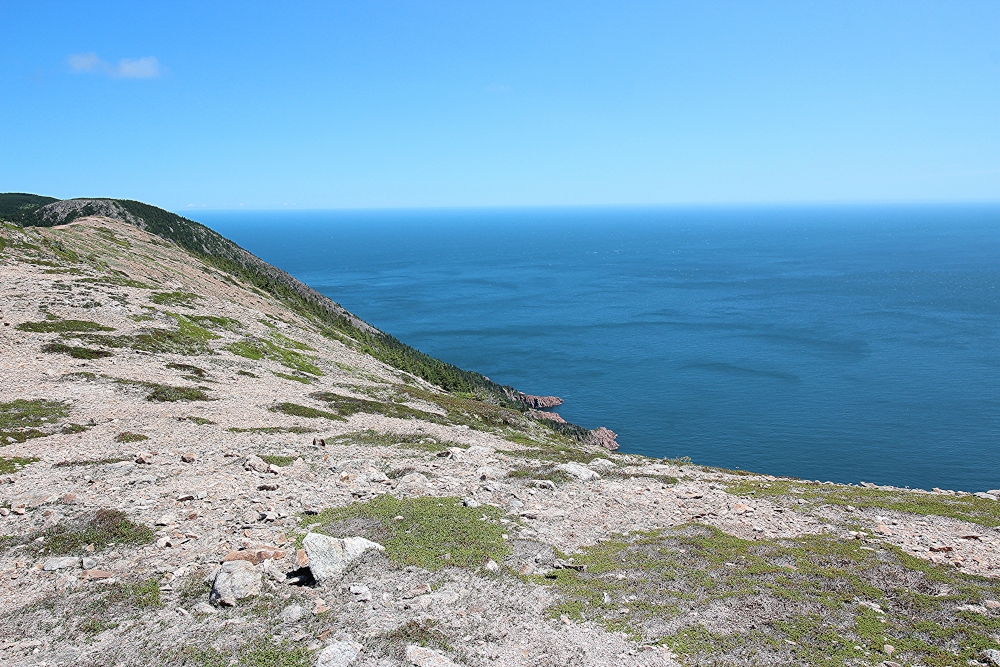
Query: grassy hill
{"points": [[335, 321]]}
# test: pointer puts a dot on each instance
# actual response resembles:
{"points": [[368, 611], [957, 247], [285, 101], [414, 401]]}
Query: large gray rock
{"points": [[425, 657], [60, 563], [581, 472], [338, 654], [328, 556], [237, 579], [992, 657]]}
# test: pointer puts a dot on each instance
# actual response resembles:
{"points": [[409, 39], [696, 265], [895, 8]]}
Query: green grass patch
{"points": [[200, 421], [561, 453], [104, 528], [15, 463], [216, 322], [130, 437], [545, 472], [346, 406], [433, 532], [259, 348], [165, 393], [116, 281], [266, 652], [62, 326], [304, 379], [271, 429], [187, 339], [792, 601], [296, 410], [22, 419], [70, 429], [91, 462], [185, 299], [77, 352], [280, 461], [966, 508]]}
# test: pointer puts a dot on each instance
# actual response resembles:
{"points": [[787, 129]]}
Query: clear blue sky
{"points": [[385, 104]]}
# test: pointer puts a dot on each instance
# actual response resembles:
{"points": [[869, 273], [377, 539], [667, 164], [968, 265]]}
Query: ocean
{"points": [[832, 343]]}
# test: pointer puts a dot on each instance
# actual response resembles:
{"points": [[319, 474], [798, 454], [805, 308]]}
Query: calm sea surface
{"points": [[840, 344]]}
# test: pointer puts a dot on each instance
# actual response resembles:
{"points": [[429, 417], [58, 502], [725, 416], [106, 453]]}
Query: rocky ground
{"points": [[194, 474]]}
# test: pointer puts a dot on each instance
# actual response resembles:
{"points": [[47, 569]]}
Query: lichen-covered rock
{"points": [[580, 472], [236, 579], [328, 556], [425, 657]]}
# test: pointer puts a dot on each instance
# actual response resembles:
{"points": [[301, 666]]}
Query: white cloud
{"points": [[127, 68]]}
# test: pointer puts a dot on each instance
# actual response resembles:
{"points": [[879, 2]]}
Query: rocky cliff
{"points": [[197, 470]]}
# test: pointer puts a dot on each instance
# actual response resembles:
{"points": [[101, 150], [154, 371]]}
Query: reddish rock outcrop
{"points": [[541, 402], [551, 416], [602, 437]]}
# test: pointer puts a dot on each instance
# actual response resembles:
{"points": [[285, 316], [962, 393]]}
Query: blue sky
{"points": [[399, 104]]}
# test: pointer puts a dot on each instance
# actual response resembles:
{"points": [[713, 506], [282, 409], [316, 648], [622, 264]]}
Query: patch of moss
{"points": [[966, 508], [561, 453], [246, 373], [271, 429], [280, 461], [346, 406], [15, 463], [808, 600], [22, 419], [188, 339], [296, 410], [91, 462], [217, 322], [130, 437], [116, 281], [259, 348], [165, 393], [433, 532], [266, 652], [185, 299], [62, 326], [189, 369], [77, 352], [70, 429], [304, 379], [200, 421], [104, 528]]}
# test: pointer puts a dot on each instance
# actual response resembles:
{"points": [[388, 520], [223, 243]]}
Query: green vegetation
{"points": [[116, 281], [266, 652], [304, 379], [130, 437], [967, 508], [558, 453], [91, 462], [62, 326], [77, 352], [280, 461], [216, 322], [16, 206], [346, 406], [271, 429], [545, 472], [189, 339], [185, 299], [104, 528], [69, 429], [21, 419], [200, 421], [296, 410], [433, 532], [258, 348], [808, 600], [165, 393], [14, 463]]}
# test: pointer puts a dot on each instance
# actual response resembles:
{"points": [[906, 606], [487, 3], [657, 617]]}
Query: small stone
{"points": [[203, 608], [236, 580], [425, 657], [740, 508], [338, 654], [888, 649], [883, 529], [470, 502], [580, 472], [250, 516], [320, 607], [267, 487], [60, 563], [992, 657], [191, 516], [185, 497], [492, 566], [544, 484], [489, 472], [88, 563], [70, 499], [4, 511], [328, 556], [255, 464], [422, 589], [189, 457], [361, 592], [991, 604], [166, 520], [19, 510], [163, 543], [301, 558], [292, 614], [273, 469], [144, 459]]}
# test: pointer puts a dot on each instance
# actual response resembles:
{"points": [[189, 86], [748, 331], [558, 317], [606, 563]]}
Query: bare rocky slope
{"points": [[196, 471]]}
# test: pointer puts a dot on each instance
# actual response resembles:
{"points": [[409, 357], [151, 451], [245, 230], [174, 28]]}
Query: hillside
{"points": [[205, 463]]}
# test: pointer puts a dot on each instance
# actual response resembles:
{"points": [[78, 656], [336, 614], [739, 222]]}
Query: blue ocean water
{"points": [[831, 343]]}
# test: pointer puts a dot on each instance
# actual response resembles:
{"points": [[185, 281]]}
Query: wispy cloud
{"points": [[126, 68]]}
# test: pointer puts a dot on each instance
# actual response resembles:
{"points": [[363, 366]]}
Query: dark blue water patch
{"points": [[840, 343]]}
